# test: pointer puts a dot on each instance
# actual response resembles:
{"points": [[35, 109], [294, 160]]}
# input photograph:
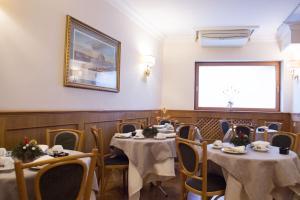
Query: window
{"points": [[248, 86]]}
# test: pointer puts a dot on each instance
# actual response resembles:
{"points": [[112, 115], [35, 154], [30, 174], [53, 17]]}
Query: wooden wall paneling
{"points": [[2, 132], [14, 136], [108, 128]]}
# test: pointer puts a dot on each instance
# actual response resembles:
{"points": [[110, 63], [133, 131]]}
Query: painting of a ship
{"points": [[93, 59]]}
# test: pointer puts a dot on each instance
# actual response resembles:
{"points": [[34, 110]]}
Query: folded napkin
{"points": [[161, 136], [260, 144], [43, 147], [238, 149], [124, 135], [218, 143], [139, 134], [2, 152], [170, 134]]}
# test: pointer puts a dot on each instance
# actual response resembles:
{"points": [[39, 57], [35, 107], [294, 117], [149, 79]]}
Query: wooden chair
{"points": [[286, 139], [224, 125], [126, 127], [105, 162], [69, 138], [60, 178], [188, 131], [206, 185], [274, 125]]}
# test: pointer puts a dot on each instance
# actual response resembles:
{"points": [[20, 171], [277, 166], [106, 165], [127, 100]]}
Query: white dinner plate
{"points": [[217, 147], [8, 164], [226, 150], [122, 137], [261, 150], [138, 138], [159, 138]]}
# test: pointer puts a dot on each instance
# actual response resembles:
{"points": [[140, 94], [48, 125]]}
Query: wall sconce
{"points": [[148, 61], [294, 68]]}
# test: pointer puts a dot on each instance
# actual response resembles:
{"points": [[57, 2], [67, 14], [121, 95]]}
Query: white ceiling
{"points": [[183, 17]]}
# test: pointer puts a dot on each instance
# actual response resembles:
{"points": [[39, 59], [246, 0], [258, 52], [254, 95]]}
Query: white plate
{"points": [[217, 147], [260, 150], [156, 138], [8, 164], [138, 138], [232, 152], [122, 137]]}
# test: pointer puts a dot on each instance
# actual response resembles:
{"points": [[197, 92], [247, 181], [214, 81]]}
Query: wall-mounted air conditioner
{"points": [[224, 36]]}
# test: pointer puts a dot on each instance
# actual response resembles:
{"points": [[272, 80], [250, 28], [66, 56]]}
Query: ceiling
{"points": [[182, 17]]}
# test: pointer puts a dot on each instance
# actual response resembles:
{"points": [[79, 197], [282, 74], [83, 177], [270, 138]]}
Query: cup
{"points": [[284, 150], [2, 152]]}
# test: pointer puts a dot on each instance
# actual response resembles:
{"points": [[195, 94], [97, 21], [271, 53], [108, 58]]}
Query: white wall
{"points": [[181, 53], [32, 37]]}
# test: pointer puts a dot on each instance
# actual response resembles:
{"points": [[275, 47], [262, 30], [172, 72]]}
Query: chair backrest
{"points": [[69, 138], [286, 139], [126, 127], [59, 178], [188, 131], [188, 157], [165, 121], [224, 125], [274, 125]]}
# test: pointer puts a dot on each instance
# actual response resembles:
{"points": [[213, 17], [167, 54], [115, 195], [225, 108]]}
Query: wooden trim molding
{"points": [[277, 65]]}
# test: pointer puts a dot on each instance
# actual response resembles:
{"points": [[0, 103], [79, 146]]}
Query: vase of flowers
{"points": [[150, 132], [240, 140], [27, 151]]}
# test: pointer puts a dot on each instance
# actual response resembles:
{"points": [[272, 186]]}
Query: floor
{"points": [[114, 190]]}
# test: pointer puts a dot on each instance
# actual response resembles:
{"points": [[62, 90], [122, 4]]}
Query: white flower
{"points": [[27, 145], [33, 148], [24, 147]]}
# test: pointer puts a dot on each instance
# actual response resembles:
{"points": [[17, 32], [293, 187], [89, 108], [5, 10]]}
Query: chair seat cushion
{"points": [[214, 183], [117, 160]]}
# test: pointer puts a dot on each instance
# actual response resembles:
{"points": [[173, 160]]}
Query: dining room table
{"points": [[257, 175], [150, 160], [8, 182]]}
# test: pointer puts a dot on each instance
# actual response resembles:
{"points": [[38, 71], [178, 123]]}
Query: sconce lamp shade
{"points": [[149, 60]]}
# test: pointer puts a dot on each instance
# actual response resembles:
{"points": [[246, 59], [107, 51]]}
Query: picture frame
{"points": [[92, 58]]}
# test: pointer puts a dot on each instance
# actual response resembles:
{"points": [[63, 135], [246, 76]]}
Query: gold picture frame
{"points": [[92, 58]]}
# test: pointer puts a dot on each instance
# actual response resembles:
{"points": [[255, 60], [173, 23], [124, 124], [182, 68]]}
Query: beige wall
{"points": [[32, 56], [180, 54]]}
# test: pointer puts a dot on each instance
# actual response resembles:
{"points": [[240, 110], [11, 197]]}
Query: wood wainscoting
{"points": [[15, 125], [209, 120]]}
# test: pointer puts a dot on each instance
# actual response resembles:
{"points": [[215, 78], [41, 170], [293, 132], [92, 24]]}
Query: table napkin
{"points": [[260, 144], [2, 152], [43, 147], [161, 135], [139, 133], [125, 135], [170, 134], [238, 149]]}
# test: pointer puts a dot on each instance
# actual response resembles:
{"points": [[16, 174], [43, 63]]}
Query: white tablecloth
{"points": [[149, 160], [8, 183], [259, 175]]}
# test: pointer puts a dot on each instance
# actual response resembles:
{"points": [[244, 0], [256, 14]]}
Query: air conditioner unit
{"points": [[224, 37]]}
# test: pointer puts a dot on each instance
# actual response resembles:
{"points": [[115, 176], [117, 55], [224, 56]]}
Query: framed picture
{"points": [[92, 58]]}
